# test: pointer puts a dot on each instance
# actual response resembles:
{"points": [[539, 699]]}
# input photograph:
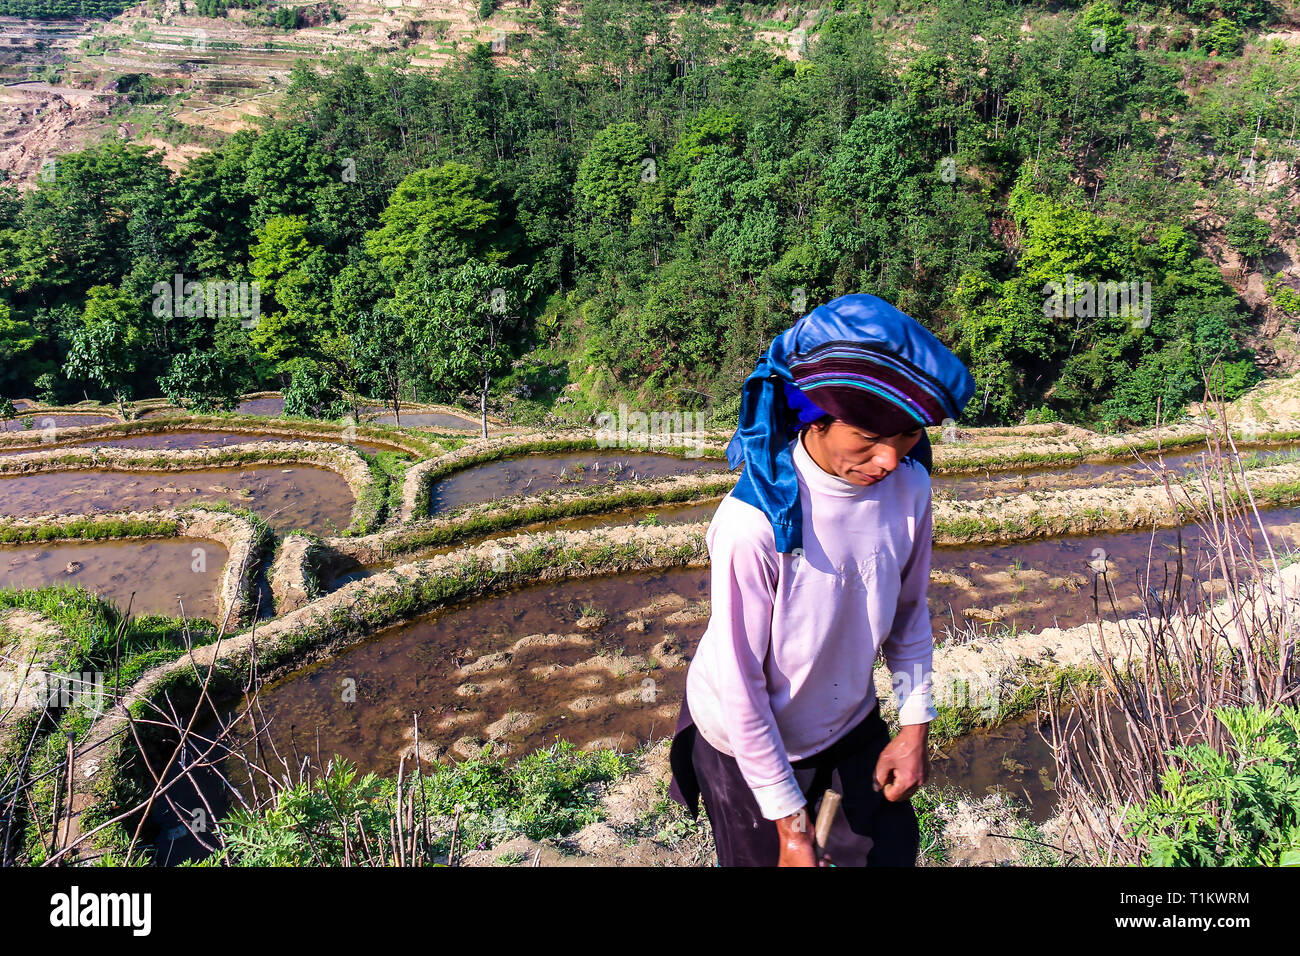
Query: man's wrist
{"points": [[914, 731], [795, 827]]}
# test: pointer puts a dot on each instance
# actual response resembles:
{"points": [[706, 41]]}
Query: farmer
{"points": [[820, 559]]}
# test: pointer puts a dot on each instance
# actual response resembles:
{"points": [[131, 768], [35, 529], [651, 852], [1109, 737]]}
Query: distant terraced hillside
{"points": [[180, 82], [174, 79]]}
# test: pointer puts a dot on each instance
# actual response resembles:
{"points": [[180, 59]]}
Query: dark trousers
{"points": [[869, 830]]}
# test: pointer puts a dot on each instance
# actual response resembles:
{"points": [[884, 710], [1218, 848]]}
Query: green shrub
{"points": [[1236, 808], [541, 795], [1223, 37]]}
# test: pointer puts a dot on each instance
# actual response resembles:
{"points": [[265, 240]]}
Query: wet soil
{"points": [[50, 424], [300, 497], [188, 439], [1148, 471], [162, 574], [535, 473]]}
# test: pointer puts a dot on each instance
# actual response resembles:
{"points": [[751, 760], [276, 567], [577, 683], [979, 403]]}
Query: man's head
{"points": [[858, 455]]}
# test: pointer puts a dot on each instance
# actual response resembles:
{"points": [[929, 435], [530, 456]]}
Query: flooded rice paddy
{"points": [[298, 497], [984, 588], [425, 420], [272, 406], [178, 440], [1148, 471], [164, 575], [51, 423], [572, 658], [591, 660], [533, 474]]}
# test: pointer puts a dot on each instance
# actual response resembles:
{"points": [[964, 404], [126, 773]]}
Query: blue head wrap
{"points": [[856, 344]]}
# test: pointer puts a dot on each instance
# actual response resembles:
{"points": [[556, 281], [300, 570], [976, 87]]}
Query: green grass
{"points": [[87, 642], [383, 490], [88, 529], [545, 794]]}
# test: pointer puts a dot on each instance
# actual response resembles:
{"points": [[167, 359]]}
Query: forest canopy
{"points": [[638, 205]]}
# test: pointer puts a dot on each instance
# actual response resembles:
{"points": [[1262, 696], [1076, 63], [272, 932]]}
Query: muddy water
{"points": [[1148, 471], [311, 499], [1016, 758], [43, 423], [426, 420], [557, 472], [273, 406], [413, 669], [1029, 585], [163, 574], [978, 589], [186, 439]]}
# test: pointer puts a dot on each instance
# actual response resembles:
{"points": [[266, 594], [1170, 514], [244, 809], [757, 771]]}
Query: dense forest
{"points": [[62, 9], [633, 206]]}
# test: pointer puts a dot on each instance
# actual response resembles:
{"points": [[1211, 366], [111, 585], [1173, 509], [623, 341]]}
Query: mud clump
{"points": [[509, 724], [587, 704], [471, 748], [452, 721], [488, 662], [667, 602], [470, 689], [548, 640]]}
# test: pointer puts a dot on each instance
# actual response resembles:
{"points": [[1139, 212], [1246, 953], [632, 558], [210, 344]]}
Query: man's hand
{"points": [[904, 764], [796, 835]]}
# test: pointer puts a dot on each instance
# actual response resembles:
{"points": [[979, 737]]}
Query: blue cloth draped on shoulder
{"points": [[855, 354]]}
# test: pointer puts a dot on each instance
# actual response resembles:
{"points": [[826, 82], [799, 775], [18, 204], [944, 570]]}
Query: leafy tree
{"points": [[100, 208], [296, 275], [608, 187], [283, 172], [460, 321], [1223, 37], [385, 354], [17, 344], [107, 350], [214, 208], [202, 382], [313, 393], [439, 218], [1249, 235]]}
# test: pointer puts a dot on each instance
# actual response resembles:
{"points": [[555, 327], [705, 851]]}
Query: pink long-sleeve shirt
{"points": [[785, 667]]}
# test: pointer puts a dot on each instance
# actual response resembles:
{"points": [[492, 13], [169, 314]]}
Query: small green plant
{"points": [[1284, 297], [592, 616], [544, 794], [1240, 807], [649, 521]]}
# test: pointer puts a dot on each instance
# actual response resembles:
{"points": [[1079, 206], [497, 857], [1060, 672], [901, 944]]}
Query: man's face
{"points": [[859, 456]]}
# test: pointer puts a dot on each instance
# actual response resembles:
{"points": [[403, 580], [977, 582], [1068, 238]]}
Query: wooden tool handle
{"points": [[826, 817]]}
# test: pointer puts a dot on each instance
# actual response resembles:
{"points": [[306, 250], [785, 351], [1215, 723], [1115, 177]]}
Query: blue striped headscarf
{"points": [[857, 358]]}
